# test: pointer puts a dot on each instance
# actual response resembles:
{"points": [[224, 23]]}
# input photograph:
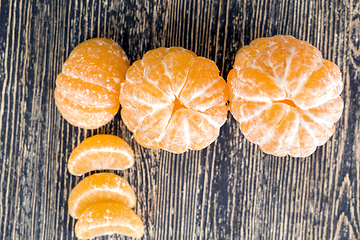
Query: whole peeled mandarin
{"points": [[174, 100], [87, 89], [285, 95]]}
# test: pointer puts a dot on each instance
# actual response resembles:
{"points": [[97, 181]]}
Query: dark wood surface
{"points": [[230, 190]]}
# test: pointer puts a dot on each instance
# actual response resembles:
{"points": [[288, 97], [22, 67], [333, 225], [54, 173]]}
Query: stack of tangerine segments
{"points": [[102, 202]]}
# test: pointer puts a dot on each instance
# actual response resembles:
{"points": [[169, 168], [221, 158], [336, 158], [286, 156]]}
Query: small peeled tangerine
{"points": [[87, 89], [174, 100], [285, 95]]}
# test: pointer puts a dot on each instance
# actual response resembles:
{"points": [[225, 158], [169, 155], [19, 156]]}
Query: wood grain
{"points": [[230, 190]]}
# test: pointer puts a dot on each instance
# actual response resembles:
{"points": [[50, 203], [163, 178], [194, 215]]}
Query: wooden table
{"points": [[230, 190]]}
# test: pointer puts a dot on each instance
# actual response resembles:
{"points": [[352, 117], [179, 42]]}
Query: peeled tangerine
{"points": [[285, 95], [87, 89], [174, 100]]}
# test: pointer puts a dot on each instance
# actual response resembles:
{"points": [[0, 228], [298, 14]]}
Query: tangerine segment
{"points": [[282, 135], [155, 123], [102, 151], [328, 112], [261, 127], [285, 95], [91, 70], [133, 115], [78, 92], [144, 141], [177, 65], [79, 115], [106, 218], [189, 129], [100, 187], [204, 88], [89, 83], [104, 49], [156, 76], [174, 100]]}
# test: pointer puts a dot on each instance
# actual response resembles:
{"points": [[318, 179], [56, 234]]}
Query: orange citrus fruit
{"points": [[174, 100], [100, 187], [285, 95], [107, 218], [87, 89], [102, 151]]}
